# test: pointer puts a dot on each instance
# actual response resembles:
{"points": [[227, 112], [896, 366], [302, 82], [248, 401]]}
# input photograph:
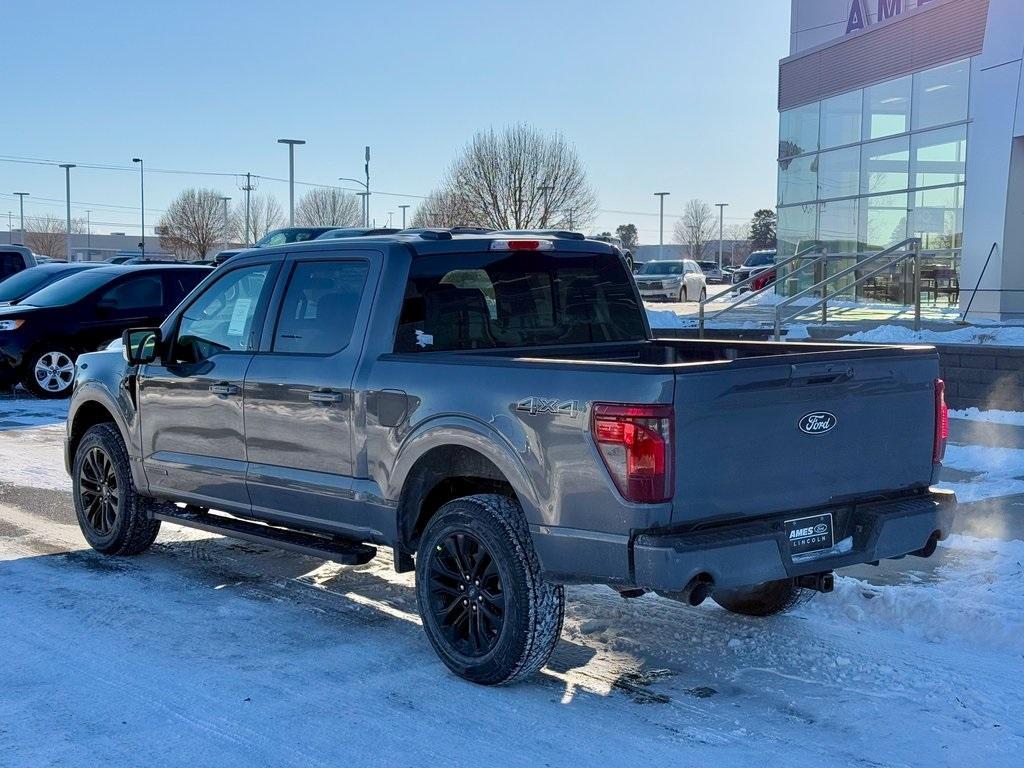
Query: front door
{"points": [[298, 396], [191, 401]]}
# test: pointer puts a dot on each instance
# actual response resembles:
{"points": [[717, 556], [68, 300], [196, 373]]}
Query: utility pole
{"points": [[21, 208], [247, 189], [225, 200], [142, 203], [571, 212], [67, 198], [366, 220], [88, 234], [545, 189], [291, 176], [721, 226], [661, 222], [10, 228], [403, 207]]}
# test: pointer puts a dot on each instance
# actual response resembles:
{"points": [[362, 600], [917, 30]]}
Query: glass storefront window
{"points": [[885, 166], [840, 120], [796, 229], [941, 95], [938, 218], [798, 131], [837, 226], [883, 221], [798, 179], [839, 173], [939, 157], [887, 108]]}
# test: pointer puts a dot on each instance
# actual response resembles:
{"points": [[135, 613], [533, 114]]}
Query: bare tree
{"points": [[739, 249], [696, 227], [193, 224], [517, 179], [47, 234], [265, 214], [328, 207], [445, 208]]}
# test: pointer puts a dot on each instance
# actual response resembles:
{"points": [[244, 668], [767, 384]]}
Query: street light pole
{"points": [[21, 209], [225, 200], [403, 207], [67, 198], [721, 225], [661, 222], [88, 235], [142, 203], [291, 176], [366, 220]]}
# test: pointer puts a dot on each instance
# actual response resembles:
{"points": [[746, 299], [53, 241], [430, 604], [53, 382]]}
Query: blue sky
{"points": [[673, 95]]}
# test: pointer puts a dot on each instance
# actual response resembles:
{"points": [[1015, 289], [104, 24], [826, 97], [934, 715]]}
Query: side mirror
{"points": [[140, 345]]}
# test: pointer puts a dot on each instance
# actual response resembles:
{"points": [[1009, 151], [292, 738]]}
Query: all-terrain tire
{"points": [[766, 599], [533, 608], [130, 528]]}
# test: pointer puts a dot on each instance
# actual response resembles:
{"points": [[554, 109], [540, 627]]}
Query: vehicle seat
{"points": [[457, 318]]}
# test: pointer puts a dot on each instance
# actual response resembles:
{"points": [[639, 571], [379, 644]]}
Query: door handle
{"points": [[326, 398], [224, 389]]}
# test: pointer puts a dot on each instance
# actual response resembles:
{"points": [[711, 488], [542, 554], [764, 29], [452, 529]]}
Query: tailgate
{"points": [[772, 438]]}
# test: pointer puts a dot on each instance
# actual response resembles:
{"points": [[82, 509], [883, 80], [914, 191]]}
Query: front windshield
{"points": [[26, 282], [661, 268], [70, 289], [760, 259]]}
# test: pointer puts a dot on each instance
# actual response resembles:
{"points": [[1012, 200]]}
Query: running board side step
{"points": [[337, 550]]}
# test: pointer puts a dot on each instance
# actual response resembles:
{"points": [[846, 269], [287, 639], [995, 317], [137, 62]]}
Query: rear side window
{"points": [[10, 263], [497, 300], [145, 292], [319, 310], [179, 284]]}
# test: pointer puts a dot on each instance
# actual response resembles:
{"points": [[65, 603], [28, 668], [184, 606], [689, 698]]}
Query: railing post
{"points": [[916, 249], [824, 286], [700, 320]]}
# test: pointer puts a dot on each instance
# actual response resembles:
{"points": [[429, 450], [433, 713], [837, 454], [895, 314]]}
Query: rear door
{"points": [[191, 401], [132, 300], [774, 438], [298, 393]]}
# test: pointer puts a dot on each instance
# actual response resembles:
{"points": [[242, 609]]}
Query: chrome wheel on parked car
{"points": [[51, 374]]}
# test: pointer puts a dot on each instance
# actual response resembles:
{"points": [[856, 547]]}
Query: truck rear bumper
{"points": [[752, 553]]}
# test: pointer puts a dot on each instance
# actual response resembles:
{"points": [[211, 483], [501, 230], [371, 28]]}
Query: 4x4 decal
{"points": [[539, 405]]}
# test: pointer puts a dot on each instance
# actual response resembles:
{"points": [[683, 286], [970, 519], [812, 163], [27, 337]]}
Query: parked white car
{"points": [[679, 280]]}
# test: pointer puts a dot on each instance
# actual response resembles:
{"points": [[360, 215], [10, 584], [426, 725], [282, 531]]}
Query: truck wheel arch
{"points": [[88, 415], [451, 462]]}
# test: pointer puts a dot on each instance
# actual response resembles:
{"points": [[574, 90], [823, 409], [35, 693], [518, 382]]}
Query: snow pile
{"points": [[1006, 336], [978, 599], [666, 318], [1011, 418], [1001, 471]]}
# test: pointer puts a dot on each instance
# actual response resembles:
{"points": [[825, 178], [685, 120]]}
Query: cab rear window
{"points": [[496, 300]]}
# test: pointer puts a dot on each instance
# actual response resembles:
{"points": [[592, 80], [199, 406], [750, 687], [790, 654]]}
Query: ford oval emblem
{"points": [[818, 423]]}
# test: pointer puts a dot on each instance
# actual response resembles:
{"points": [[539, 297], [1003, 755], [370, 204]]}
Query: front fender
{"points": [[442, 431], [92, 394]]}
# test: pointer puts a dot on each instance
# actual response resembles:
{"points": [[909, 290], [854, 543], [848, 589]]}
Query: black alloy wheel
{"points": [[99, 493], [466, 596]]}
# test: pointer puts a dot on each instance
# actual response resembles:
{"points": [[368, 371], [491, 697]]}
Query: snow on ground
{"points": [[1007, 336], [1011, 418], [208, 651], [998, 471], [31, 435]]}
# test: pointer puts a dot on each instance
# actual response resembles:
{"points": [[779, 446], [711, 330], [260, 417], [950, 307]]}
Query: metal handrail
{"points": [[701, 320], [913, 252]]}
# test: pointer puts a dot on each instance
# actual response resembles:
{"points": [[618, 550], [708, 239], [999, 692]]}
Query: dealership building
{"points": [[902, 119]]}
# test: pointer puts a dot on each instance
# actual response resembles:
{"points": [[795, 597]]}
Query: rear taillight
{"points": [[635, 442], [941, 422]]}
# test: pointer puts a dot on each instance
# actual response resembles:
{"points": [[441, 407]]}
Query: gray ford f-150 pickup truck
{"points": [[495, 410]]}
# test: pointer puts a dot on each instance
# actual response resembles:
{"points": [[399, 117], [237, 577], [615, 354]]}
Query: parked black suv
{"points": [[42, 336]]}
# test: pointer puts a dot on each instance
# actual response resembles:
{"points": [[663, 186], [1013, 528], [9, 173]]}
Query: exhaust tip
{"points": [[929, 549]]}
